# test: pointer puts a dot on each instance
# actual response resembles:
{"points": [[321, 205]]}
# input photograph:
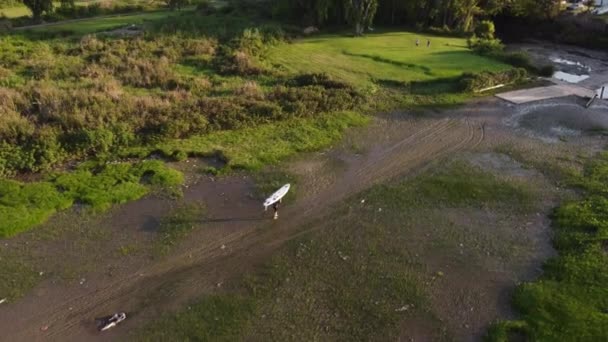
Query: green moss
{"points": [[457, 185], [214, 318], [253, 148], [570, 301], [17, 277], [24, 206]]}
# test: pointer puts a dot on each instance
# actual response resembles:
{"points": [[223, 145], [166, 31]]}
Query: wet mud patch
{"points": [[501, 164], [559, 120]]}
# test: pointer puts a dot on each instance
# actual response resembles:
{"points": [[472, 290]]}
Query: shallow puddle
{"points": [[570, 78]]}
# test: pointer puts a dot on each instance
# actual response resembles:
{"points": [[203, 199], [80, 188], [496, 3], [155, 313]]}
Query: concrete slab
{"points": [[544, 93]]}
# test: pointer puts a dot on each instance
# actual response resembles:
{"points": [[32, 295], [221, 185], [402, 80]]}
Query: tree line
{"points": [[455, 15]]}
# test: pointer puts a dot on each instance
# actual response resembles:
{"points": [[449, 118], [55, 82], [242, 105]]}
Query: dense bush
{"points": [[94, 9], [546, 71], [322, 79], [473, 82], [96, 96], [485, 46]]}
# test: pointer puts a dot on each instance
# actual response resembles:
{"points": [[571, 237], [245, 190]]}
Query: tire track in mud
{"points": [[424, 143]]}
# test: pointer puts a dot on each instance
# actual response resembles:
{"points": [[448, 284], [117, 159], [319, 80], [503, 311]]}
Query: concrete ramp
{"points": [[545, 93]]}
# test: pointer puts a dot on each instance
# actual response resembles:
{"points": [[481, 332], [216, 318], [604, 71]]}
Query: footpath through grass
{"points": [[356, 279], [570, 301]]}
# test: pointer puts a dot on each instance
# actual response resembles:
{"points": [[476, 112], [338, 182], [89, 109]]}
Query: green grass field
{"points": [[389, 56], [85, 26]]}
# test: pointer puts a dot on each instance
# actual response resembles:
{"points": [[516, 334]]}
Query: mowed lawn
{"points": [[15, 12], [381, 57]]}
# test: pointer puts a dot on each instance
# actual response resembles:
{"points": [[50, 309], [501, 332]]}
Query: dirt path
{"points": [[398, 146]]}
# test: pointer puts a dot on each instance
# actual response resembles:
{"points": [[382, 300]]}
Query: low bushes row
{"points": [[474, 82], [494, 48]]}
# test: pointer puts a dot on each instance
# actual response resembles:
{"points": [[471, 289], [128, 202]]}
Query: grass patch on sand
{"points": [[355, 279], [205, 320], [178, 224], [459, 185], [570, 301], [26, 205], [17, 277], [382, 57], [253, 148]]}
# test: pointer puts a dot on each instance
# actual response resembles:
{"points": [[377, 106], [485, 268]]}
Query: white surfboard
{"points": [[277, 196]]}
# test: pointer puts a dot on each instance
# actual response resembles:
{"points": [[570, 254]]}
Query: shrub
{"points": [[485, 30], [486, 46], [309, 100], [320, 79], [472, 82], [518, 59], [237, 62], [205, 7], [251, 90], [546, 71]]}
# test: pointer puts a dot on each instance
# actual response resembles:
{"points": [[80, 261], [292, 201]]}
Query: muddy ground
{"points": [[91, 265], [587, 68]]}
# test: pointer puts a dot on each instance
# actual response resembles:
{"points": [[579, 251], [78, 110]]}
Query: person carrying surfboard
{"points": [[275, 207], [275, 200]]}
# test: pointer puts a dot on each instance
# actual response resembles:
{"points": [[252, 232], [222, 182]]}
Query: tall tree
{"points": [[176, 4], [536, 9], [360, 14], [466, 10], [38, 7]]}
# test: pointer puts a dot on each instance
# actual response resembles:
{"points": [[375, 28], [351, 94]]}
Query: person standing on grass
{"points": [[417, 42], [428, 43]]}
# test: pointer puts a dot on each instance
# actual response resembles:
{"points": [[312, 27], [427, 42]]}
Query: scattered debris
{"points": [[41, 273], [223, 247], [440, 274], [111, 321], [44, 328], [362, 201], [2, 300], [344, 257], [82, 281], [220, 284], [403, 308]]}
